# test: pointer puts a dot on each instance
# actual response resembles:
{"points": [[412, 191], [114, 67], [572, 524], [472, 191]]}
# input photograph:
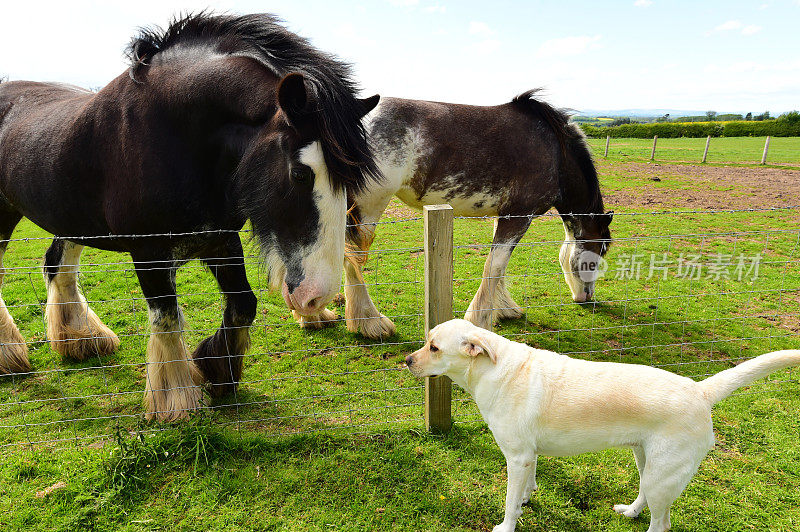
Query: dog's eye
{"points": [[434, 348]]}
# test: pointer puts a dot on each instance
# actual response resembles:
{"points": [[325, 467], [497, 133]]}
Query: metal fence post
{"points": [[438, 221]]}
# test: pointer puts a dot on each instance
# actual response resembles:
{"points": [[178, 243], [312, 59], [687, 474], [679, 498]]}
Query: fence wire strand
{"points": [[298, 381]]}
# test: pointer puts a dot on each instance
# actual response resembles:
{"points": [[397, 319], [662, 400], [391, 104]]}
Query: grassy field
{"points": [[326, 431], [740, 150]]}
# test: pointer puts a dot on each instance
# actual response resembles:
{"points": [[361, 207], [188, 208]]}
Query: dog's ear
{"points": [[476, 344]]}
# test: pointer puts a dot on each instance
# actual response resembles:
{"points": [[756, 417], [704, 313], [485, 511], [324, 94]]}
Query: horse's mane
{"points": [[570, 138], [261, 36], [4, 107]]}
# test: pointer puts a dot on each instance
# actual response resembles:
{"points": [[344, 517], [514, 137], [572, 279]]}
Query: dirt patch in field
{"points": [[702, 187], [399, 211], [683, 186], [791, 320]]}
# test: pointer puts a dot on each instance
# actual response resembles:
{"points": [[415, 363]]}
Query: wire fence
{"points": [[694, 150], [692, 292]]}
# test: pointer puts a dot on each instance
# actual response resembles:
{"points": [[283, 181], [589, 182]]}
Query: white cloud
{"points": [[729, 25], [485, 47], [738, 27], [480, 28], [567, 46], [643, 3], [347, 32], [435, 9], [404, 3]]}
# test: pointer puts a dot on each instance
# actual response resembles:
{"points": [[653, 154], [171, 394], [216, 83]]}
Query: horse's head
{"points": [[585, 244], [302, 217]]}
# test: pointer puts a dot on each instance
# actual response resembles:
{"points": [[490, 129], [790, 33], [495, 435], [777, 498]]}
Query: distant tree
{"points": [[711, 115], [763, 116], [619, 121], [664, 118], [749, 116], [793, 117]]}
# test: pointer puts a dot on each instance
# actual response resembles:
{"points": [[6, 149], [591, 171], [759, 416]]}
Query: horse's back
{"points": [[469, 156], [28, 95]]}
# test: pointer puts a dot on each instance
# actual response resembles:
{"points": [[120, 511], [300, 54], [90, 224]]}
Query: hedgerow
{"points": [[786, 126]]}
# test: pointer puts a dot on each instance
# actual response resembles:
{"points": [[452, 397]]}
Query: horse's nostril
{"points": [[313, 303], [409, 361]]}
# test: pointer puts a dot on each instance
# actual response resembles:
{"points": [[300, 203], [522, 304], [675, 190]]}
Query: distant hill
{"points": [[640, 113]]}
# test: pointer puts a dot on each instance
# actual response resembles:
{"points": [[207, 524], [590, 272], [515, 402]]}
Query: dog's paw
{"points": [[628, 510], [527, 499]]}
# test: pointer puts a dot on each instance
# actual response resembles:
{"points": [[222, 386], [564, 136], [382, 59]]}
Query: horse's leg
{"points": [[171, 390], [13, 349], [489, 302], [219, 357], [360, 312], [504, 305], [74, 330]]}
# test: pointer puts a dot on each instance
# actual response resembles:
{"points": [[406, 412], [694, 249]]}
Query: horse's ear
{"points": [[368, 104], [294, 99]]}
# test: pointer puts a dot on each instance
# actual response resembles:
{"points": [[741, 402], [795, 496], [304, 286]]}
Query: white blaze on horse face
{"points": [[569, 256], [322, 262]]}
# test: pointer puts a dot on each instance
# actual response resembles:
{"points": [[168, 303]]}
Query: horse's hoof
{"points": [[14, 357], [479, 318], [170, 405], [375, 328], [326, 318]]}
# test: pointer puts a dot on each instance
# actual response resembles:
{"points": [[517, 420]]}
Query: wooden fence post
{"points": [[705, 153], [653, 153], [608, 138], [438, 221], [766, 149]]}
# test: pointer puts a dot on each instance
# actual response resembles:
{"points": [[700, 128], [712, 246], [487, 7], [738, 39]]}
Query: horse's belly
{"points": [[464, 203]]}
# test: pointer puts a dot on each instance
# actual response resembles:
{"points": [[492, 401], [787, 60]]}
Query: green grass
{"points": [[742, 150], [326, 431]]}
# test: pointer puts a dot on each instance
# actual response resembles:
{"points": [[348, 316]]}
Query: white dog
{"points": [[539, 402]]}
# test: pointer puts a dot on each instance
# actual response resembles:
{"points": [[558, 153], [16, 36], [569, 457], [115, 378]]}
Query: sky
{"points": [[727, 56]]}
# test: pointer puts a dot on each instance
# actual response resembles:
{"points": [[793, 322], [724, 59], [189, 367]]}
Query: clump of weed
{"points": [[150, 447]]}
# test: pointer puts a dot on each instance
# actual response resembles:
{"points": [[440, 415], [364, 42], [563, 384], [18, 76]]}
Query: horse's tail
{"points": [[719, 386], [573, 147]]}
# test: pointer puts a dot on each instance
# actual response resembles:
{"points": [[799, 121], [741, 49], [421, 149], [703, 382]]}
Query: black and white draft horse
{"points": [[218, 120], [513, 161]]}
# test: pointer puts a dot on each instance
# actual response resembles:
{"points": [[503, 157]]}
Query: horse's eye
{"points": [[434, 348], [301, 175]]}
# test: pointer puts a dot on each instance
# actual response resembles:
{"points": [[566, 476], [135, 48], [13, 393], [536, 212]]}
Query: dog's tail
{"points": [[724, 383]]}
